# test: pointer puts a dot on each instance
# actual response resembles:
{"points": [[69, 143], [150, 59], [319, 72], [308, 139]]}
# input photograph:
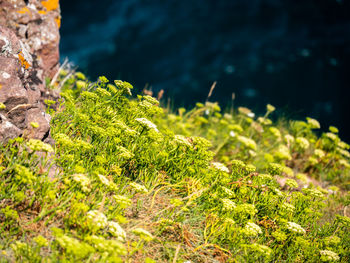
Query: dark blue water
{"points": [[294, 54]]}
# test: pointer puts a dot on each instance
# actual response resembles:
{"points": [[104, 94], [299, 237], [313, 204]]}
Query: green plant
{"points": [[135, 182]]}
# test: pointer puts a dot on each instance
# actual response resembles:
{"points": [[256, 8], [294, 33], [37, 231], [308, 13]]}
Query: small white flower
{"points": [[229, 221], [302, 142], [123, 152], [277, 192], [319, 153], [228, 191], [289, 139], [116, 230], [276, 132], [232, 134], [83, 181], [220, 167], [147, 123], [251, 229], [97, 219], [228, 205], [146, 104], [344, 153], [315, 193], [247, 142], [327, 255], [181, 140], [331, 136], [122, 201], [314, 124], [151, 100], [104, 180], [283, 152], [261, 249], [291, 183], [294, 227], [344, 163], [251, 114], [288, 207], [343, 145]]}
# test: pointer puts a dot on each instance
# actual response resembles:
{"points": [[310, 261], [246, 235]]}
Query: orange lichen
{"points": [[23, 61], [0, 86], [50, 4], [24, 10], [42, 12], [58, 21]]}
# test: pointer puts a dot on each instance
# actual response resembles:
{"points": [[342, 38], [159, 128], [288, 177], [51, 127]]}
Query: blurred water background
{"points": [[294, 54]]}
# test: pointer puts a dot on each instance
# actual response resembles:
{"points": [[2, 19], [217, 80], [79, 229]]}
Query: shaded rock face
{"points": [[29, 39]]}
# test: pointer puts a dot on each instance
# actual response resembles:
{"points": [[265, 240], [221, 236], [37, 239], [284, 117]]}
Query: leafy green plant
{"points": [[135, 182]]}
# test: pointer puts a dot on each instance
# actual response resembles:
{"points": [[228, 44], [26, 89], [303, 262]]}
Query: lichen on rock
{"points": [[29, 41]]}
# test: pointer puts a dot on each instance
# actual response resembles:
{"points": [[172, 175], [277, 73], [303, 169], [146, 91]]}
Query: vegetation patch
{"points": [[131, 181]]}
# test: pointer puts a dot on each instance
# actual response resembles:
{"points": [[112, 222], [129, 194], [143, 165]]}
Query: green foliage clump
{"points": [[134, 181]]}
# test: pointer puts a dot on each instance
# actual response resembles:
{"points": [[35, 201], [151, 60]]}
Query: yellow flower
{"points": [[139, 188], [247, 142], [302, 142], [34, 124], [143, 234], [276, 132], [313, 123], [270, 108]]}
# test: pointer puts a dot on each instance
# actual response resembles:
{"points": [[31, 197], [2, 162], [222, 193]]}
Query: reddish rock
{"points": [[38, 116], [36, 23], [12, 91], [7, 129], [29, 40]]}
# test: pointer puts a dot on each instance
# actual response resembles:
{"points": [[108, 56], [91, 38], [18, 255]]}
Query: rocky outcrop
{"points": [[29, 39]]}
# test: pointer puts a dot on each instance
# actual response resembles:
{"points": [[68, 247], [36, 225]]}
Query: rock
{"points": [[38, 116], [7, 129], [12, 91], [36, 23], [29, 40]]}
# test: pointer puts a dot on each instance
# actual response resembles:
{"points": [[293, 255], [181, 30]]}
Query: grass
{"points": [[130, 181]]}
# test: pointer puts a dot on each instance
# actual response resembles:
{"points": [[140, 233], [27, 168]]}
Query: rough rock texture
{"points": [[29, 41], [36, 23]]}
